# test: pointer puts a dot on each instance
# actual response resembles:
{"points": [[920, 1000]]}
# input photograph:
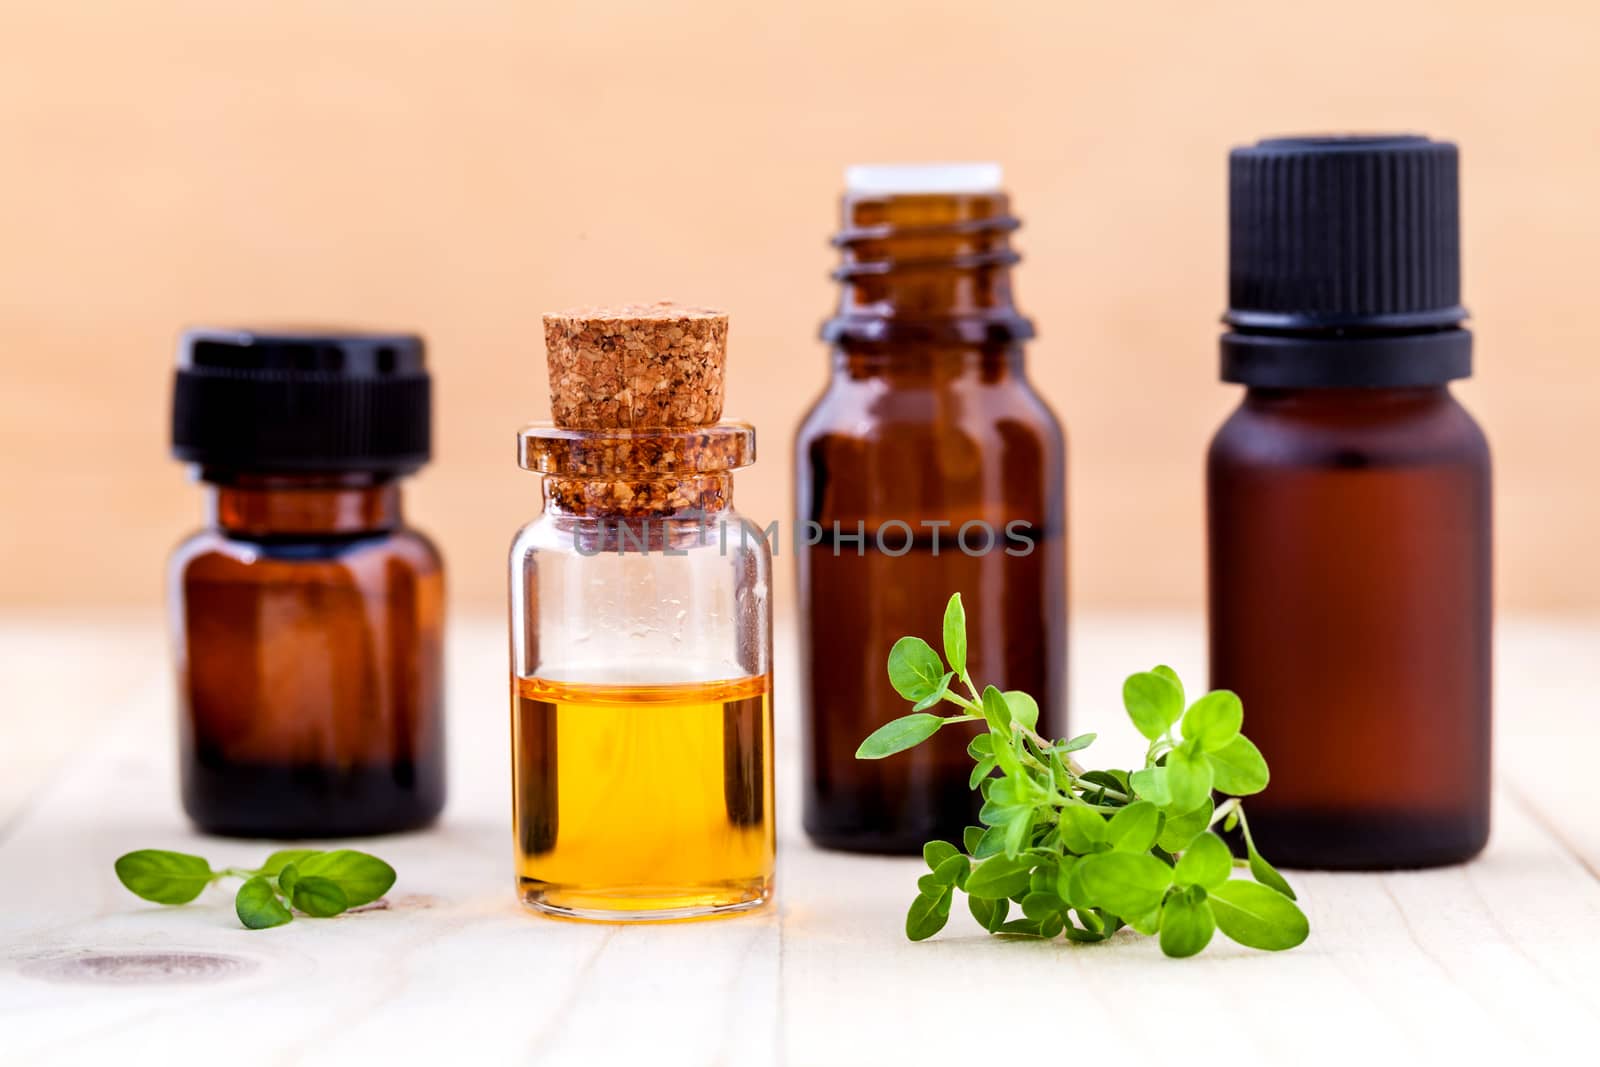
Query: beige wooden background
{"points": [[459, 167]]}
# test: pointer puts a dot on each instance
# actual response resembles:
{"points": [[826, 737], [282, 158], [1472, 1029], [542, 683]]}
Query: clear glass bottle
{"points": [[641, 649], [308, 617], [1350, 507], [929, 466]]}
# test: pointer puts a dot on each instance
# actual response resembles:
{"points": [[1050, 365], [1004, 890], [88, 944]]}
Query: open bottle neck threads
{"points": [[926, 257], [1345, 264], [636, 394]]}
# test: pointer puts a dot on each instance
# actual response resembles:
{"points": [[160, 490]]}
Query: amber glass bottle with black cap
{"points": [[929, 466], [1349, 500], [308, 616]]}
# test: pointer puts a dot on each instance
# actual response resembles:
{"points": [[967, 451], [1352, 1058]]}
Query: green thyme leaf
{"points": [[1170, 675], [362, 877], [258, 907], [991, 914], [1206, 862], [1258, 916], [1082, 828], [937, 695], [1076, 744], [1238, 768], [1133, 829], [998, 713], [927, 915], [897, 735], [1214, 719], [1188, 777], [914, 668], [1006, 748], [1040, 906], [1125, 883], [1179, 830], [1000, 877], [1153, 702], [1017, 828], [1266, 873], [1260, 869], [164, 877], [1023, 708], [1147, 923], [955, 635], [992, 843], [318, 897], [1186, 923], [981, 770], [954, 872], [1151, 784], [287, 878], [936, 852], [282, 858]]}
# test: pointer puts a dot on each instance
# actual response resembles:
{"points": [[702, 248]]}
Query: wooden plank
{"points": [[58, 678], [1491, 959], [453, 959], [1547, 732]]}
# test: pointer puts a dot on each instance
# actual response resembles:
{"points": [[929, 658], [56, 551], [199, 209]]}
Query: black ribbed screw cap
{"points": [[1328, 232], [287, 401]]}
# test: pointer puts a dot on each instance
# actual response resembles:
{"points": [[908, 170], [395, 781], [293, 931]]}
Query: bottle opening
{"points": [[910, 179]]}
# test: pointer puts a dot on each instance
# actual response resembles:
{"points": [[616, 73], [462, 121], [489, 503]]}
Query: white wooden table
{"points": [[1498, 960]]}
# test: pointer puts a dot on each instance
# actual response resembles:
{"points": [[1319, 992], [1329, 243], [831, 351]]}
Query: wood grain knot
{"points": [[139, 968]]}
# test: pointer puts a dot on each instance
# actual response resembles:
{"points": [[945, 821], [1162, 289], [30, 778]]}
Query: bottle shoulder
{"points": [[875, 409], [611, 551], [1351, 430], [212, 552]]}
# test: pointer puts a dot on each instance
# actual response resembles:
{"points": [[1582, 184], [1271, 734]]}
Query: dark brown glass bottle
{"points": [[1349, 502], [308, 617], [929, 466]]}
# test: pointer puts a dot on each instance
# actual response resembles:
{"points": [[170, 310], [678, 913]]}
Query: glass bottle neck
{"points": [[929, 267], [687, 497], [911, 363], [1315, 401], [302, 504]]}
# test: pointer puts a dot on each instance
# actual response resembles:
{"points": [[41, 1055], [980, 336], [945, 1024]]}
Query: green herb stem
{"points": [[1086, 856]]}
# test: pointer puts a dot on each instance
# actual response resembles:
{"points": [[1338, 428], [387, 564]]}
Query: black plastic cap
{"points": [[1331, 231], [1344, 265], [283, 401]]}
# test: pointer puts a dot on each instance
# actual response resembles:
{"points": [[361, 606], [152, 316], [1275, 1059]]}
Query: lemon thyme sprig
{"points": [[1083, 853], [317, 883]]}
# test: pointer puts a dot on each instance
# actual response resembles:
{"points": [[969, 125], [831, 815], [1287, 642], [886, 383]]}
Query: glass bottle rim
{"points": [[633, 453]]}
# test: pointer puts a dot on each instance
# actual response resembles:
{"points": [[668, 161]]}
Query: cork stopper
{"points": [[637, 366]]}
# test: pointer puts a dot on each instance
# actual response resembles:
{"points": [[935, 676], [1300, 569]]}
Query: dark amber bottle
{"points": [[1349, 503], [928, 466], [308, 617]]}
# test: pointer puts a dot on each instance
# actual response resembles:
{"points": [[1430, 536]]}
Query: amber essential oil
{"points": [[643, 801]]}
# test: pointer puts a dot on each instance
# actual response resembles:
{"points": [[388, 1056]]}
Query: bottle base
{"points": [[862, 828], [1367, 841], [868, 844], [296, 802], [644, 904]]}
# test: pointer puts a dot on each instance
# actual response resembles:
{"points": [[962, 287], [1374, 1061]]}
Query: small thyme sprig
{"points": [[317, 883], [1085, 852]]}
